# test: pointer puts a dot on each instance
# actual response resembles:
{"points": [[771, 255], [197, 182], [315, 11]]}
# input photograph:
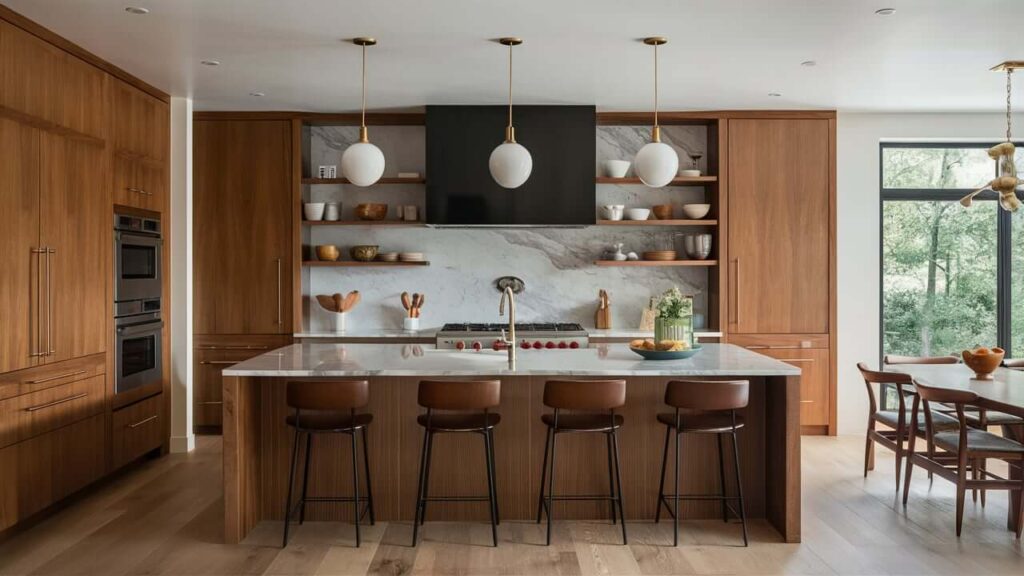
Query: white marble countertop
{"points": [[346, 360], [431, 333]]}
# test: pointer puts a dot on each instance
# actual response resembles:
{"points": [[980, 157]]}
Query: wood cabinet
{"points": [[141, 140], [814, 381], [136, 430], [212, 355], [242, 231], [779, 214]]}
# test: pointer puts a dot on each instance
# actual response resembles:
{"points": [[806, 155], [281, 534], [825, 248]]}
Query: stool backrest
{"points": [[585, 394], [707, 394], [459, 394], [328, 395]]}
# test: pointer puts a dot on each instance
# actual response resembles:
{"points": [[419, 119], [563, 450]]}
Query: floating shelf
{"points": [[643, 263], [354, 264], [657, 222], [381, 181], [680, 181], [362, 223]]}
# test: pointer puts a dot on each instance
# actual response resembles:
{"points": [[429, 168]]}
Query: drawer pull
{"points": [[56, 402], [52, 378], [139, 191], [807, 401], [210, 403], [141, 422], [217, 362], [797, 359], [233, 347]]}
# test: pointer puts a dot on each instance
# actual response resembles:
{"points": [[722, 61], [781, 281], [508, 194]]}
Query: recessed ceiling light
{"points": [[210, 62], [809, 63], [885, 11], [775, 94], [258, 94], [136, 10]]}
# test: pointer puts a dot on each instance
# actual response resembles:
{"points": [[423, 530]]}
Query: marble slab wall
{"points": [[555, 263]]}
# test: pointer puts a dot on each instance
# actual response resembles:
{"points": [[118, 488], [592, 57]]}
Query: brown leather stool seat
{"points": [[591, 408], [703, 407], [329, 407], [457, 406]]}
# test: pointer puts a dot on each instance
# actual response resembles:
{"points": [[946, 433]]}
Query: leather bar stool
{"points": [[328, 407], [455, 406], [703, 407], [592, 405]]}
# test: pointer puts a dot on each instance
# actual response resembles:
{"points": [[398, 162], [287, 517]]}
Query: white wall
{"points": [[858, 137], [182, 438]]}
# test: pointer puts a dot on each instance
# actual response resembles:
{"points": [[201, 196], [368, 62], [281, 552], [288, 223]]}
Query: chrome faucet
{"points": [[510, 340]]}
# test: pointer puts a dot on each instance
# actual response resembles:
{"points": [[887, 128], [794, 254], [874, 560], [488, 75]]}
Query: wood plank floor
{"points": [[165, 517]]}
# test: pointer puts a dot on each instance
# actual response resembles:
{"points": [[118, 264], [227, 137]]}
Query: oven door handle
{"points": [[137, 329]]}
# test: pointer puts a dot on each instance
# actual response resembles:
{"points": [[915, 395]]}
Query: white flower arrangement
{"points": [[673, 305]]}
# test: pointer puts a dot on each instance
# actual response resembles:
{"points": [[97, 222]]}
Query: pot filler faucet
{"points": [[510, 338]]}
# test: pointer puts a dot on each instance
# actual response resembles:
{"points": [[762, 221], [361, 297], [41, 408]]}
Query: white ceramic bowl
{"points": [[314, 210], [637, 213], [696, 211], [616, 168], [689, 173]]}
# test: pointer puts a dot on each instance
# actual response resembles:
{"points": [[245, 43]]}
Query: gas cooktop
{"points": [[520, 327], [529, 335]]}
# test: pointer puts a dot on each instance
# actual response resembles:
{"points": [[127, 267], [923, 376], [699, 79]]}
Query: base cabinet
{"points": [[136, 430], [212, 355], [38, 472]]}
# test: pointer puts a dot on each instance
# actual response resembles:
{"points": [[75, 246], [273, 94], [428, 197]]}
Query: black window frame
{"points": [[1004, 234]]}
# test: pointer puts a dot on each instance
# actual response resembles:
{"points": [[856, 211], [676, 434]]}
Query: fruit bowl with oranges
{"points": [[664, 349], [983, 361]]}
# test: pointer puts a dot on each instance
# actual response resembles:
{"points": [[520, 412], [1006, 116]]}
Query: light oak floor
{"points": [[165, 517]]}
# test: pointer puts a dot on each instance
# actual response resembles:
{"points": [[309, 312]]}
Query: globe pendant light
{"points": [[657, 163], [363, 163], [510, 162]]}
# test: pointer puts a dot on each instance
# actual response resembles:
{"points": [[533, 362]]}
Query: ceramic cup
{"points": [[612, 211], [410, 324], [332, 212], [339, 321], [313, 210], [410, 213]]}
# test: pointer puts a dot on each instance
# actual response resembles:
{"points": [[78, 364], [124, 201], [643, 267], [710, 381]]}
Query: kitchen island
{"points": [[257, 442]]}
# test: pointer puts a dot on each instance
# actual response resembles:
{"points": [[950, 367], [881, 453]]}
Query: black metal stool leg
{"points": [[543, 475], [291, 483], [490, 486], [551, 485], [618, 483], [611, 481], [355, 486], [419, 489], [675, 496], [305, 477], [721, 477], [494, 475], [369, 485], [426, 477], [739, 487], [661, 479]]}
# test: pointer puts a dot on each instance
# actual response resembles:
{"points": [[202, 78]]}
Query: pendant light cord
{"points": [[510, 85], [1009, 92], [362, 121], [655, 85]]}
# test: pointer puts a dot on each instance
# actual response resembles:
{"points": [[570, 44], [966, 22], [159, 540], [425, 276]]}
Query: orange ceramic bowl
{"points": [[371, 211], [983, 361]]}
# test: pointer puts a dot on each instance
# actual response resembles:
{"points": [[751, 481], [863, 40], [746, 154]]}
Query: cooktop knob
{"points": [[460, 345], [574, 344], [537, 345], [562, 344], [549, 345], [525, 345], [477, 346]]}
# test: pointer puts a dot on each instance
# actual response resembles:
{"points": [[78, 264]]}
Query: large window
{"points": [[952, 277]]}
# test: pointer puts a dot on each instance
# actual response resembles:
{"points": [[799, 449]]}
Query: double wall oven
{"points": [[138, 294]]}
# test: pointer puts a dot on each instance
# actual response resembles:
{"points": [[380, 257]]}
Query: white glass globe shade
{"points": [[656, 164], [362, 163], [510, 165]]}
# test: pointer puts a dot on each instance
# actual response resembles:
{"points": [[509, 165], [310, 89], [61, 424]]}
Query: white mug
{"points": [[332, 212], [339, 321]]}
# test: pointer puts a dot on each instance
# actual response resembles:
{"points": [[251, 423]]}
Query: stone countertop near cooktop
{"points": [[431, 334], [361, 360]]}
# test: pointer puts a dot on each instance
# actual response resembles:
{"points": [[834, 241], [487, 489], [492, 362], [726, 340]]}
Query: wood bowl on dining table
{"points": [[983, 361]]}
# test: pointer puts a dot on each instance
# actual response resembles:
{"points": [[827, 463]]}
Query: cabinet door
{"points": [[76, 226], [779, 226], [19, 214], [141, 123], [140, 184], [814, 381], [30, 75], [242, 227], [136, 430]]}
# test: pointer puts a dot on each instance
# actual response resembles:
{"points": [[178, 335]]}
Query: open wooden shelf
{"points": [[355, 264], [657, 222], [644, 263], [679, 181], [362, 223], [381, 181]]}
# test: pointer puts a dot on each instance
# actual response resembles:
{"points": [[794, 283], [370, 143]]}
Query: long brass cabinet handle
{"points": [[797, 359], [52, 378], [143, 421], [39, 306], [56, 402], [217, 362], [735, 281], [211, 402], [50, 348], [279, 292]]}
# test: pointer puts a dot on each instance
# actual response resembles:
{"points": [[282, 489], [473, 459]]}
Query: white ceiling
{"points": [[932, 55]]}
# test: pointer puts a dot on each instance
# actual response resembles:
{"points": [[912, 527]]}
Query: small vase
{"points": [[339, 321], [675, 329]]}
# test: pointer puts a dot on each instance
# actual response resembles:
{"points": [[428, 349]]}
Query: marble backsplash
{"points": [[555, 263]]}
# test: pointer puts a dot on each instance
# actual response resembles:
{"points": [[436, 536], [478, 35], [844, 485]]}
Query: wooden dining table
{"points": [[1004, 393]]}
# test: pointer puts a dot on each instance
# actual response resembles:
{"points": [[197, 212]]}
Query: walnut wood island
{"points": [[257, 442]]}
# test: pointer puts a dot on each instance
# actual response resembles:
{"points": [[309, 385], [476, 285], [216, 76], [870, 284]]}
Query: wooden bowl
{"points": [[983, 361], [328, 252], [371, 211], [660, 255], [662, 211], [363, 253]]}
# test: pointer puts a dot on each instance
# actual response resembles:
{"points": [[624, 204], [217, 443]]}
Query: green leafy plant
{"points": [[674, 305]]}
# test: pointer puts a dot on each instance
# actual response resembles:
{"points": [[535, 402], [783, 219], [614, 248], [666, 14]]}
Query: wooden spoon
{"points": [[351, 299], [420, 305], [337, 302], [327, 302], [406, 302]]}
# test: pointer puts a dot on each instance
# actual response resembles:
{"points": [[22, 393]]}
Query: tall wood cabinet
{"points": [[781, 250], [242, 250]]}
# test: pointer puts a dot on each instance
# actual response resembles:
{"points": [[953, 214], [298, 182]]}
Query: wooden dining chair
{"points": [[894, 359], [967, 447], [896, 421]]}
